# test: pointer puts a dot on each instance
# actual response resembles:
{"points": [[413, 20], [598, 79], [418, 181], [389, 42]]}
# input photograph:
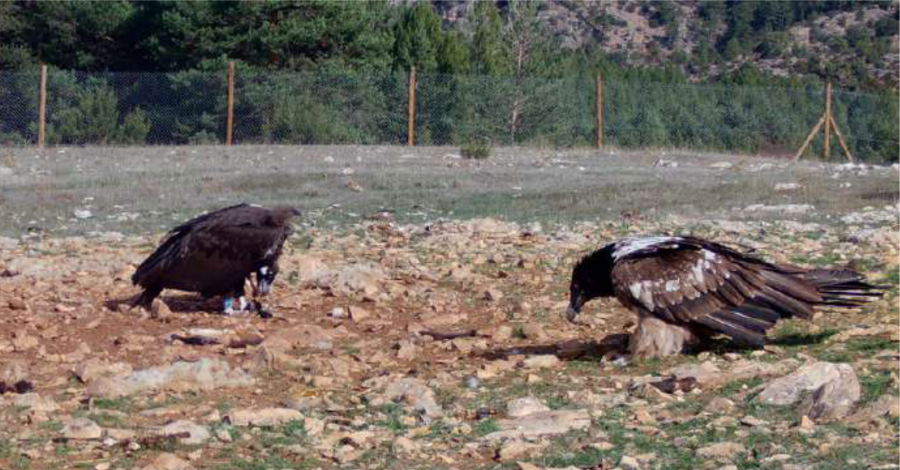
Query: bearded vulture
{"points": [[214, 254], [685, 289]]}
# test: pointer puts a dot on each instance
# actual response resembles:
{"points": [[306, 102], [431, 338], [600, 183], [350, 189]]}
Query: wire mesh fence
{"points": [[148, 189], [338, 106]]}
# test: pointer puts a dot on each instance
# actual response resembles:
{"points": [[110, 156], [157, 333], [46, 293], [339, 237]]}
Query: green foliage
{"points": [[475, 150], [94, 114], [503, 78], [485, 427]]}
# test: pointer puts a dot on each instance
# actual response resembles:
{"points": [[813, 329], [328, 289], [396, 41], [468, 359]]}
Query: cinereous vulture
{"points": [[686, 289], [215, 253]]}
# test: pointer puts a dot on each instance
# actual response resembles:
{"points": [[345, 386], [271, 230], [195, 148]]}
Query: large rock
{"points": [[835, 399], [789, 389], [7, 243], [12, 372], [884, 405], [94, 368], [541, 424], [263, 417], [36, 403], [414, 393], [205, 374]]}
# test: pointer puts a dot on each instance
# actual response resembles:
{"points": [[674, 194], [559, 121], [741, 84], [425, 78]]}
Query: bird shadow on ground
{"points": [[183, 303], [187, 303], [568, 350], [802, 339]]}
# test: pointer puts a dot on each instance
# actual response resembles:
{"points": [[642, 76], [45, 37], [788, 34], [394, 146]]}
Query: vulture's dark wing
{"points": [[688, 280]]}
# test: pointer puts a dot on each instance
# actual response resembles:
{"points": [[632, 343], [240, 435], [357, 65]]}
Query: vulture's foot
{"points": [[261, 309], [228, 305]]}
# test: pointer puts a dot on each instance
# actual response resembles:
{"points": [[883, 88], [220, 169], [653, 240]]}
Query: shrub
{"points": [[475, 150]]}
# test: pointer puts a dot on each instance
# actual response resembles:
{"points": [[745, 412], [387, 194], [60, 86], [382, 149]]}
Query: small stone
{"points": [[806, 423], [541, 361], [81, 429], [223, 435], [24, 342], [404, 446], [629, 463], [502, 333], [167, 461], [721, 450], [492, 295], [534, 332], [338, 312], [197, 434], [516, 449], [407, 350], [719, 405], [602, 446], [753, 421], [540, 424], [472, 382], [263, 417], [359, 314], [644, 417], [524, 406]]}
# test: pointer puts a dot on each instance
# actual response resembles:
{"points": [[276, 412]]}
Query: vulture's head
{"points": [[591, 278], [265, 277]]}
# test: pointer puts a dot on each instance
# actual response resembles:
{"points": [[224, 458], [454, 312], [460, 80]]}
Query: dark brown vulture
{"points": [[685, 289], [215, 253]]}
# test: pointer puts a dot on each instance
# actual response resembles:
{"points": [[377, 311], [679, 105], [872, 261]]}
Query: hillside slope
{"points": [[855, 43]]}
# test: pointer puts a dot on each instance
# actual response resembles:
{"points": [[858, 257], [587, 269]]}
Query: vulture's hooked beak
{"points": [[264, 279], [263, 287], [575, 304]]}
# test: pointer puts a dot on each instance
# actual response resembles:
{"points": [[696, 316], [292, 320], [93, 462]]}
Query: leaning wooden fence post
{"points": [[599, 111], [828, 121], [42, 108], [229, 126], [830, 124], [411, 133]]}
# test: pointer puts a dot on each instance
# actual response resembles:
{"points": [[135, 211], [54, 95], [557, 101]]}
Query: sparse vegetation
{"points": [[475, 150]]}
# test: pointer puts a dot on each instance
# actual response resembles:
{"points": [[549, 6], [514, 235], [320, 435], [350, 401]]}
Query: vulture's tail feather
{"points": [[725, 322], [843, 287]]}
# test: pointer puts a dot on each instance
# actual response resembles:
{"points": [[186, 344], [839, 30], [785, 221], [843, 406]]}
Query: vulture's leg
{"points": [[235, 301], [656, 338]]}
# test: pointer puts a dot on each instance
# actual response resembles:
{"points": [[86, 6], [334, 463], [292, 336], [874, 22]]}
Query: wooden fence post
{"points": [[411, 133], [42, 109], [599, 111], [828, 121], [830, 124], [229, 126]]}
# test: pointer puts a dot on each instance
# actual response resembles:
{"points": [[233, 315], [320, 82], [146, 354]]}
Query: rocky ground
{"points": [[433, 346]]}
